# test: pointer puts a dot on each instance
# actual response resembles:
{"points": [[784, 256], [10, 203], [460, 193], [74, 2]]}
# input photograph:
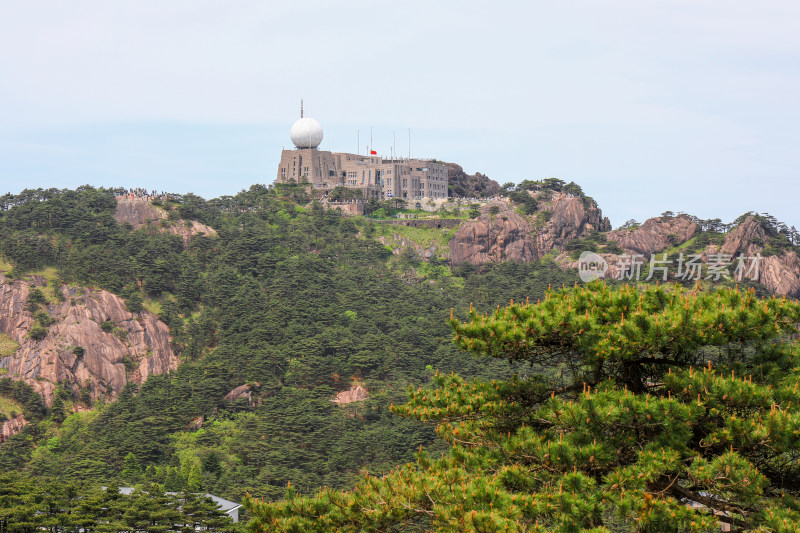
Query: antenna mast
{"points": [[301, 108]]}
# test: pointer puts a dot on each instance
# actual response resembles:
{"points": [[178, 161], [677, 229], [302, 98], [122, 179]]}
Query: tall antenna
{"points": [[301, 108]]}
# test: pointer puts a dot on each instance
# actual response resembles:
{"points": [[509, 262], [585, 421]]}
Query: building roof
{"points": [[223, 504]]}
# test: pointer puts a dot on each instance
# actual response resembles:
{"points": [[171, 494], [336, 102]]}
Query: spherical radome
{"points": [[306, 133]]}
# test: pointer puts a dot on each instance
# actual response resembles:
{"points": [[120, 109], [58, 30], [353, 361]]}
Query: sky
{"points": [[680, 105]]}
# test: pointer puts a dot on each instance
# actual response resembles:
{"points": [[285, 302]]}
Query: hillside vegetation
{"points": [[293, 304]]}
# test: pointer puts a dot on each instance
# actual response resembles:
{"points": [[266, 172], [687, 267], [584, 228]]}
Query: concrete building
{"points": [[375, 177]]}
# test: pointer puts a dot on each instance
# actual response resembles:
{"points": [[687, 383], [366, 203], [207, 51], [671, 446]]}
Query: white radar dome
{"points": [[306, 133]]}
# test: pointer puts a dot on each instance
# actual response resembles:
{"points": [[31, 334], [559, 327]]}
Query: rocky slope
{"points": [[139, 212], [570, 219], [356, 393], [654, 235], [130, 348], [507, 235], [494, 237], [778, 273], [12, 427], [501, 234]]}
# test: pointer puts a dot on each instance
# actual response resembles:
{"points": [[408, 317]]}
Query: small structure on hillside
{"points": [[226, 506]]}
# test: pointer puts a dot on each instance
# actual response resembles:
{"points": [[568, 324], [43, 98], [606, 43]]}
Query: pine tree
{"points": [[646, 401], [131, 469]]}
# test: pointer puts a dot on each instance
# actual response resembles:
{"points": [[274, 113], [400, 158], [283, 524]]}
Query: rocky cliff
{"points": [[507, 235], [778, 273], [93, 343], [654, 235], [140, 212], [570, 218]]}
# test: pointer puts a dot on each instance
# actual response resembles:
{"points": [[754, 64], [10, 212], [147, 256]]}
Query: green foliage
{"points": [[295, 304], [38, 332], [7, 346], [528, 203], [22, 393], [29, 504], [661, 396], [340, 194], [36, 297], [131, 469], [134, 302]]}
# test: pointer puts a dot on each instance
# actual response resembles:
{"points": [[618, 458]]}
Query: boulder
{"points": [[355, 394], [9, 428]]}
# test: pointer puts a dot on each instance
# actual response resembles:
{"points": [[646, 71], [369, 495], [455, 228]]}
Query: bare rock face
{"points": [[355, 394], [136, 347], [508, 235], [196, 423], [11, 427], [744, 238], [655, 234], [570, 219], [242, 391], [504, 236], [139, 212], [780, 274]]}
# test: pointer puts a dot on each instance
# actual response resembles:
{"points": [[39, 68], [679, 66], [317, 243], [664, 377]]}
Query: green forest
{"points": [[299, 303], [505, 397]]}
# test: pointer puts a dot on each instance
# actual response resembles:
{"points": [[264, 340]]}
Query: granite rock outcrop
{"points": [[140, 212], [356, 393], [11, 427], [93, 343], [501, 233], [779, 273], [654, 235]]}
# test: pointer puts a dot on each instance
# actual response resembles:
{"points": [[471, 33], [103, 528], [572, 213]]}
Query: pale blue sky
{"points": [[649, 105]]}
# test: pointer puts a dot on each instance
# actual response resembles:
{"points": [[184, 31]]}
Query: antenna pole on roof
{"points": [[301, 108]]}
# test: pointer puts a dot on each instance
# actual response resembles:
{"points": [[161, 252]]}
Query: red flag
{"points": [[373, 152]]}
